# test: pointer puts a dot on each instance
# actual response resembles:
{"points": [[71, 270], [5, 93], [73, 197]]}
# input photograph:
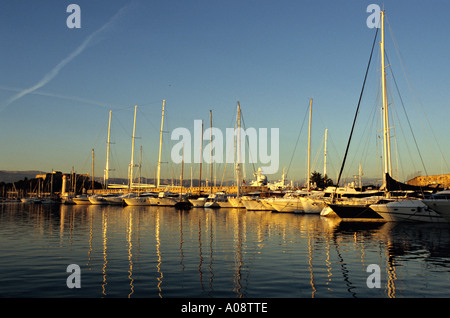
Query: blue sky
{"points": [[272, 56]]}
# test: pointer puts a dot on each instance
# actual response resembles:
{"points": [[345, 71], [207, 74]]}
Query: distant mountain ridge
{"points": [[13, 176]]}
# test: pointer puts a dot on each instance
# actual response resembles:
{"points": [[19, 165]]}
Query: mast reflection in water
{"points": [[161, 252]]}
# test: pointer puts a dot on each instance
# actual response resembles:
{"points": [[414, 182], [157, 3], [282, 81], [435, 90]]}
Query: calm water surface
{"points": [[159, 252]]}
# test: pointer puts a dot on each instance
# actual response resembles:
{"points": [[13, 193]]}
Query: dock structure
{"points": [[194, 190]]}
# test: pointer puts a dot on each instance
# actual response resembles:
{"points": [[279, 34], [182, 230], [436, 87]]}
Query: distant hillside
{"points": [[13, 176]]}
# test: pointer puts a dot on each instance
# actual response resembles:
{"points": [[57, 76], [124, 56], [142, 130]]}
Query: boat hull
{"points": [[97, 200], [256, 205], [440, 206], [164, 201], [81, 201], [197, 203], [289, 205], [355, 212], [137, 201], [311, 206], [236, 202], [407, 211]]}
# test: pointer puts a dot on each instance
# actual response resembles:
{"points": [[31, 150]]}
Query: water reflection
{"points": [[162, 252]]}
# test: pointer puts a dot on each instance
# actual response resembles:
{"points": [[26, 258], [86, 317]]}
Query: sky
{"points": [[58, 84]]}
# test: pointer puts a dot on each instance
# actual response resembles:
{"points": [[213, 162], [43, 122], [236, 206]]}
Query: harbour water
{"points": [[161, 252]]}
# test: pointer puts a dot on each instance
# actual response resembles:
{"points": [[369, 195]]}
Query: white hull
{"points": [[137, 201], [407, 211], [198, 203], [97, 200], [327, 211], [289, 205], [256, 205], [440, 206], [267, 204], [236, 202], [164, 201], [212, 205], [312, 206], [81, 200], [225, 204]]}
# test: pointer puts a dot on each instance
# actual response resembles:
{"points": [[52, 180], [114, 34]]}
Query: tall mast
{"points": [[201, 159], [92, 181], [107, 153], [211, 165], [140, 168], [181, 177], [132, 151], [158, 175], [386, 135], [325, 155], [238, 164], [308, 186]]}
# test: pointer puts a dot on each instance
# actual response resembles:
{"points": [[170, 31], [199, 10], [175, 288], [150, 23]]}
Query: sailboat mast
{"points": [[158, 174], [386, 133], [238, 164], [132, 151], [201, 159], [182, 172], [92, 181], [211, 165], [308, 186], [107, 153], [325, 155]]}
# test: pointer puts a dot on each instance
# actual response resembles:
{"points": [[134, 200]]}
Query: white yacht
{"points": [[119, 199], [407, 211], [139, 199], [198, 202], [290, 203], [97, 199], [165, 199], [255, 204], [440, 202], [236, 202], [81, 200]]}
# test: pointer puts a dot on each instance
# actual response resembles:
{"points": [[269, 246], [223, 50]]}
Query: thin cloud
{"points": [[54, 72], [71, 98]]}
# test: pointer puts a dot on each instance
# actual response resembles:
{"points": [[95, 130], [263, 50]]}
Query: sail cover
{"points": [[394, 185]]}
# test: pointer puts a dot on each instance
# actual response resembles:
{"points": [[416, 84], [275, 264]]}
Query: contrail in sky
{"points": [[50, 75], [71, 98]]}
